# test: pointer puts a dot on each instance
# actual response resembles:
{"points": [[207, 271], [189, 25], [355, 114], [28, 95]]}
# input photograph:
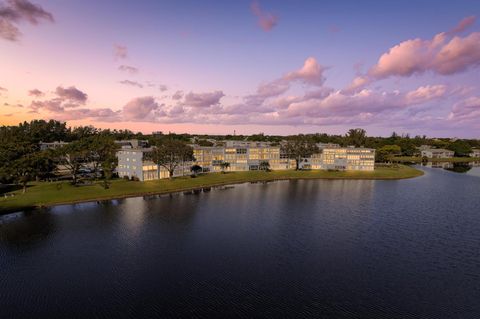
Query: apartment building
{"points": [[242, 156], [134, 161], [475, 152], [437, 153], [334, 157]]}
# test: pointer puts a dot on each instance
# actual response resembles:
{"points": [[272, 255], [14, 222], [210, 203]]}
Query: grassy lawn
{"points": [[48, 194], [417, 159]]}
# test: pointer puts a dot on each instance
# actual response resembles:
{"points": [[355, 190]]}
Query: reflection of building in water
{"points": [[438, 164]]}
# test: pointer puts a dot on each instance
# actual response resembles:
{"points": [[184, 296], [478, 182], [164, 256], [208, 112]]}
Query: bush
{"points": [[126, 178]]}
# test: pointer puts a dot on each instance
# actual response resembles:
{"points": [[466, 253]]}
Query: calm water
{"points": [[359, 249]]}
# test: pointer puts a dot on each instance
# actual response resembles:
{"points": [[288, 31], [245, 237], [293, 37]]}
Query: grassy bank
{"points": [[49, 194], [417, 159]]}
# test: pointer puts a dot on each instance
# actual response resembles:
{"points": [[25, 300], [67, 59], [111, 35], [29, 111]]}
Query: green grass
{"points": [[417, 159], [48, 194]]}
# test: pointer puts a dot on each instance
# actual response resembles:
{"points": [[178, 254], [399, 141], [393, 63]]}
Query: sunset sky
{"points": [[279, 67]]}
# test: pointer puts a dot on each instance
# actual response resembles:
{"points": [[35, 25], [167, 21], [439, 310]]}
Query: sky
{"points": [[215, 67]]}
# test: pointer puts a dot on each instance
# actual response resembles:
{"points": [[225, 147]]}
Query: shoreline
{"points": [[14, 204]]}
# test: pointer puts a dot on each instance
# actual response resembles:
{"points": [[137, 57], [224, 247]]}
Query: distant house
{"points": [[51, 145], [437, 153], [475, 152]]}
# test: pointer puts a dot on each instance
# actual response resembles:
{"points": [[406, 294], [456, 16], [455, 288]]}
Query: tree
{"points": [[298, 147], [195, 169], [103, 153], [224, 166], [170, 154], [460, 147], [356, 136], [264, 166], [386, 152], [74, 156]]}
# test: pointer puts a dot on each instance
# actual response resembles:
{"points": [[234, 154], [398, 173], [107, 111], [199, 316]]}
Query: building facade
{"points": [[243, 156], [437, 153], [475, 152]]}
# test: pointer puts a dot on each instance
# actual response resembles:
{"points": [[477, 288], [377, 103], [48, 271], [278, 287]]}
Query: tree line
{"points": [[22, 160]]}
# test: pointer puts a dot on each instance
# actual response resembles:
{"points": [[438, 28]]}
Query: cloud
{"points": [[444, 54], [71, 93], [311, 73], [203, 99], [140, 109], [131, 83], [36, 93], [162, 88], [120, 51], [464, 24], [467, 110], [2, 90], [129, 69], [177, 95], [17, 11], [266, 20]]}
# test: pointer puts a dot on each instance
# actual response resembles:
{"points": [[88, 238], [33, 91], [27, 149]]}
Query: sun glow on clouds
{"points": [[298, 97]]}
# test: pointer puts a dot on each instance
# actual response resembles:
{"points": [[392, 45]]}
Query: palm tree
{"points": [[224, 166]]}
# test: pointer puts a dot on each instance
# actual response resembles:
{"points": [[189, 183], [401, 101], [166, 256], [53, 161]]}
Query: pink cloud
{"points": [[311, 73], [36, 93], [129, 69], [140, 109], [131, 83], [71, 93], [266, 20], [120, 51], [467, 110], [203, 99], [17, 11], [444, 54], [464, 24]]}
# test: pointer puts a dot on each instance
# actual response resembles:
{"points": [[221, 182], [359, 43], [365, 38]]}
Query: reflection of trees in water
{"points": [[29, 229], [459, 167]]}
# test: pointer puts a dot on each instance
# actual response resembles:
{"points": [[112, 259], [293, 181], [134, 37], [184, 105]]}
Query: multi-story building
{"points": [[475, 152], [134, 162], [437, 153], [242, 156], [341, 158], [52, 145]]}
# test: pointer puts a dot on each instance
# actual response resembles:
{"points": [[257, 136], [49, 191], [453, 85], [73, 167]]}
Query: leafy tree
{"points": [[170, 154], [74, 156], [103, 153], [195, 169], [385, 153], [224, 166], [460, 147], [356, 137], [264, 166], [299, 147]]}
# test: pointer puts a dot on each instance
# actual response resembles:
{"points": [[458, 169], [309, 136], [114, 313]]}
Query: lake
{"points": [[316, 248]]}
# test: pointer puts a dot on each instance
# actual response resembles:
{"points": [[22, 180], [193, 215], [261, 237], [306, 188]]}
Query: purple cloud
{"points": [[203, 99], [140, 109], [128, 69], [177, 95], [266, 20], [36, 93], [17, 11], [71, 93], [131, 83], [120, 51]]}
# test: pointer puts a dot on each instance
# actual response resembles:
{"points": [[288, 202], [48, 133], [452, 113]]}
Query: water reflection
{"points": [[26, 230], [457, 167]]}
